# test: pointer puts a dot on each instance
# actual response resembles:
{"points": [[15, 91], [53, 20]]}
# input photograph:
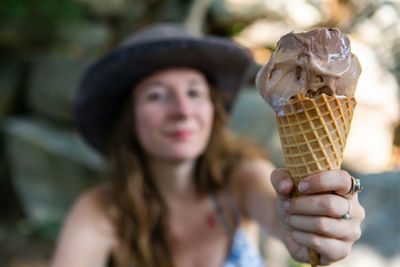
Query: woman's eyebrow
{"points": [[153, 84], [196, 81]]}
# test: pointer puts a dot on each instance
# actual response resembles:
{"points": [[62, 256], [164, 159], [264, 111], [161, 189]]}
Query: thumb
{"points": [[282, 183]]}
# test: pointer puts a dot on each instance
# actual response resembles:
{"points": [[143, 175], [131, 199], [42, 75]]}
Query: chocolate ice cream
{"points": [[309, 63]]}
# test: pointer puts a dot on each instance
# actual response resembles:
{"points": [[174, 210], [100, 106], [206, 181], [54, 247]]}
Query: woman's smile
{"points": [[181, 135]]}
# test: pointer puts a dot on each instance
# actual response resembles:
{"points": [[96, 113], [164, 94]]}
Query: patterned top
{"points": [[242, 252]]}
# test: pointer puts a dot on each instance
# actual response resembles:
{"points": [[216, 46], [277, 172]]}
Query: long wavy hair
{"points": [[137, 208]]}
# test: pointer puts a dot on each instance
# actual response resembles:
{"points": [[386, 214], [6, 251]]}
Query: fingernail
{"points": [[282, 185], [286, 205], [303, 186]]}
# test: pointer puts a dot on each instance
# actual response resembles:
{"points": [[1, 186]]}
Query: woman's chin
{"points": [[182, 157], [177, 153], [179, 156]]}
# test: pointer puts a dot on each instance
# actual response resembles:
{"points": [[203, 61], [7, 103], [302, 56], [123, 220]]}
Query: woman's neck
{"points": [[175, 180]]}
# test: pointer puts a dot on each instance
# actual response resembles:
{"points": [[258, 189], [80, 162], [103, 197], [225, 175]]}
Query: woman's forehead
{"points": [[173, 75]]}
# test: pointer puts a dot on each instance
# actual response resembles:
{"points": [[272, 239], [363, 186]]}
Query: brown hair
{"points": [[139, 210]]}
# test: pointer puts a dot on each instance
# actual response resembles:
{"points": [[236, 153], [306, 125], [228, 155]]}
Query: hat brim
{"points": [[107, 82]]}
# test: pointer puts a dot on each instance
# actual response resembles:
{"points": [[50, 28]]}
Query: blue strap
{"points": [[221, 215], [233, 207], [233, 211]]}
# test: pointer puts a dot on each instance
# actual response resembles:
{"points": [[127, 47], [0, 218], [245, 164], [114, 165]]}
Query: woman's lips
{"points": [[181, 134]]}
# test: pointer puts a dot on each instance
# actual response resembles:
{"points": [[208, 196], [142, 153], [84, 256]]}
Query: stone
{"points": [[379, 28], [380, 32], [381, 201], [252, 117], [106, 8], [87, 40], [364, 256], [263, 33], [303, 14], [379, 245], [54, 80], [49, 167], [227, 12], [10, 69], [370, 142], [300, 14]]}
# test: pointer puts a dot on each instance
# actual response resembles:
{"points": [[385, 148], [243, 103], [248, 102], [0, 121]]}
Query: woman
{"points": [[182, 188]]}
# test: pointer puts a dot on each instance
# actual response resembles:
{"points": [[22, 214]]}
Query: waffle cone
{"points": [[313, 133]]}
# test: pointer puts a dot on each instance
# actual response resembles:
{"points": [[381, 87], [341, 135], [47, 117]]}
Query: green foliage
{"points": [[237, 27], [33, 23], [46, 11]]}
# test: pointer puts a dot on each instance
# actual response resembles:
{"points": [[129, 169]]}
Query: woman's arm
{"points": [[255, 194], [86, 238]]}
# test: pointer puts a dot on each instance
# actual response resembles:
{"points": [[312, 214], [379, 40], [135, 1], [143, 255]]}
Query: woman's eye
{"points": [[194, 92], [154, 96]]}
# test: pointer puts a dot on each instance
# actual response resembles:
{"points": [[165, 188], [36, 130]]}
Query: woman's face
{"points": [[173, 114]]}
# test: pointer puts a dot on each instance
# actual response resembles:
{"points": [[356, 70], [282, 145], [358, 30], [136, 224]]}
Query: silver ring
{"points": [[356, 187], [346, 216]]}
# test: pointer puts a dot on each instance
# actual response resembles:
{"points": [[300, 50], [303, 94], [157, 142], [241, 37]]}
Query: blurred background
{"points": [[45, 45]]}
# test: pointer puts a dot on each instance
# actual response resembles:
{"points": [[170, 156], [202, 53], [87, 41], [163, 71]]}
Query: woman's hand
{"points": [[315, 219]]}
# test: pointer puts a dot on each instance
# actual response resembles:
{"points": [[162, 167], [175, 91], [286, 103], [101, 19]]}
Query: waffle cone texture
{"points": [[313, 133]]}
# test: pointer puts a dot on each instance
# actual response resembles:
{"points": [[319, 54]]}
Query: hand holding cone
{"points": [[310, 81], [313, 133]]}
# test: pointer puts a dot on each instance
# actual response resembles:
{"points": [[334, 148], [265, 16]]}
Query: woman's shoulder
{"points": [[92, 197], [89, 213], [87, 236]]}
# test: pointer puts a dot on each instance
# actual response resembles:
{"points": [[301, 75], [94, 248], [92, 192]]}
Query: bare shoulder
{"points": [[87, 233], [89, 210], [91, 201]]}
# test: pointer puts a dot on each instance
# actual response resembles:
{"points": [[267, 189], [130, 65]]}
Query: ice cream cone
{"points": [[313, 133]]}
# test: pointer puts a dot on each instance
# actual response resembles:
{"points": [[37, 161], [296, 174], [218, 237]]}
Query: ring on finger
{"points": [[355, 187], [346, 216]]}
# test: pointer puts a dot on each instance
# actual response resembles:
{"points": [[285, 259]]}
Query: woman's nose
{"points": [[181, 106]]}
